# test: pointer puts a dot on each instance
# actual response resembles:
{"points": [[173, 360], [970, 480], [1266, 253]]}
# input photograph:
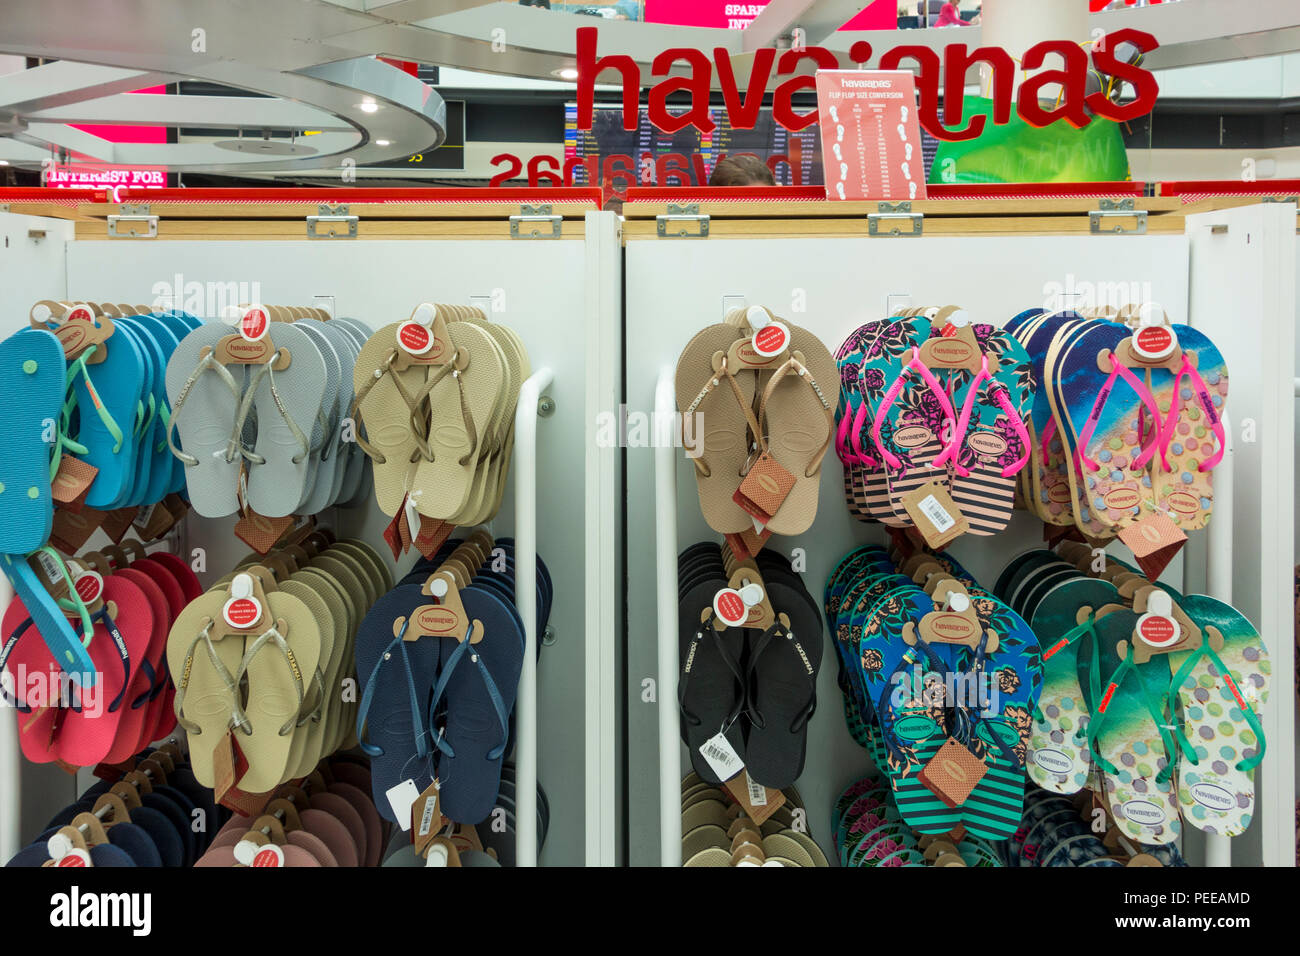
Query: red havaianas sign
{"points": [[1073, 105]]}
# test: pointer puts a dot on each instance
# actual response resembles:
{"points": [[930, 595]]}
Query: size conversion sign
{"points": [[871, 137]]}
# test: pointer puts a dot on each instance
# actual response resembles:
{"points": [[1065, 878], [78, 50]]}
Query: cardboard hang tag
{"points": [[764, 489], [72, 483], [424, 340], [237, 350], [953, 349], [78, 327], [952, 773], [756, 801], [953, 621], [444, 616], [1155, 541], [427, 820], [935, 515], [1164, 628]]}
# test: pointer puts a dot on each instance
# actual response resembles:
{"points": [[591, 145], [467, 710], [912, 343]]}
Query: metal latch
{"points": [[4, 207], [133, 221], [332, 222], [678, 222], [536, 222], [890, 218], [1281, 199], [1102, 221]]}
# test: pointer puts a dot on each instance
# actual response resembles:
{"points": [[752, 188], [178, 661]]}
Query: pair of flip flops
{"points": [[1150, 697], [869, 831], [266, 655], [1060, 831], [750, 648], [939, 681], [439, 658], [124, 605], [261, 409], [1128, 421], [490, 844], [114, 418], [925, 400], [328, 820], [754, 394], [718, 832], [155, 815], [435, 397]]}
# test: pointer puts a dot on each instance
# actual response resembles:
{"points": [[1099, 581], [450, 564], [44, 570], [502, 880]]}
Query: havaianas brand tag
{"points": [[764, 489], [427, 820], [1155, 541], [72, 483], [392, 537], [935, 515], [228, 766], [154, 522], [433, 533], [445, 616], [80, 329], [952, 773]]}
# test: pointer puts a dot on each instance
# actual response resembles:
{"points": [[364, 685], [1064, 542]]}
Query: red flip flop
{"points": [[148, 673]]}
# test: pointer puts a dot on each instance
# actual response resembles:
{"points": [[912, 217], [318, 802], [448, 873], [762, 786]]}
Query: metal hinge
{"points": [[1281, 199], [678, 222], [890, 218], [133, 221], [536, 222], [332, 222], [1102, 221]]}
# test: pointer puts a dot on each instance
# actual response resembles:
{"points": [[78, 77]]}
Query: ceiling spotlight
{"points": [[369, 106], [4, 162], [567, 73], [383, 142]]}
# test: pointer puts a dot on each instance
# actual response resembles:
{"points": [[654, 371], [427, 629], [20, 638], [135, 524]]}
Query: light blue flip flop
{"points": [[32, 375]]}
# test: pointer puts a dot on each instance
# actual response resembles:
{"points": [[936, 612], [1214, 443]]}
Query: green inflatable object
{"points": [[1020, 153]]}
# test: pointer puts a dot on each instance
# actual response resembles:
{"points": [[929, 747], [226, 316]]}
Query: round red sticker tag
{"points": [[89, 586], [75, 858], [771, 340], [1154, 341], [270, 855], [79, 314], [415, 338], [242, 612], [1157, 631], [730, 607], [253, 324]]}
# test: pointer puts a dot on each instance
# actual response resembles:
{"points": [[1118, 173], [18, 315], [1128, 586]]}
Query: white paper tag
{"points": [[721, 757], [758, 525], [401, 798], [938, 516], [757, 792]]}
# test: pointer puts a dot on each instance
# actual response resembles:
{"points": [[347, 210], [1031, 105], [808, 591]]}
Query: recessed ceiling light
{"points": [[383, 142], [4, 162], [567, 73], [369, 106]]}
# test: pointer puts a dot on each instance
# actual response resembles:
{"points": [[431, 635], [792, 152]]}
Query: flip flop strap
{"points": [[1088, 627], [273, 637], [360, 396], [684, 677], [417, 712], [1225, 676], [857, 431], [420, 419], [1211, 413], [764, 641], [998, 392], [79, 367], [146, 695], [1102, 712], [73, 601], [267, 372], [1118, 370], [915, 365], [973, 718], [794, 365], [465, 649], [963, 421], [312, 711], [120, 643], [890, 739], [206, 364], [237, 716], [714, 381]]}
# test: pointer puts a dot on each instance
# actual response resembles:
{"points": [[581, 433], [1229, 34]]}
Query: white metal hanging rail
{"points": [[670, 757], [526, 416]]}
